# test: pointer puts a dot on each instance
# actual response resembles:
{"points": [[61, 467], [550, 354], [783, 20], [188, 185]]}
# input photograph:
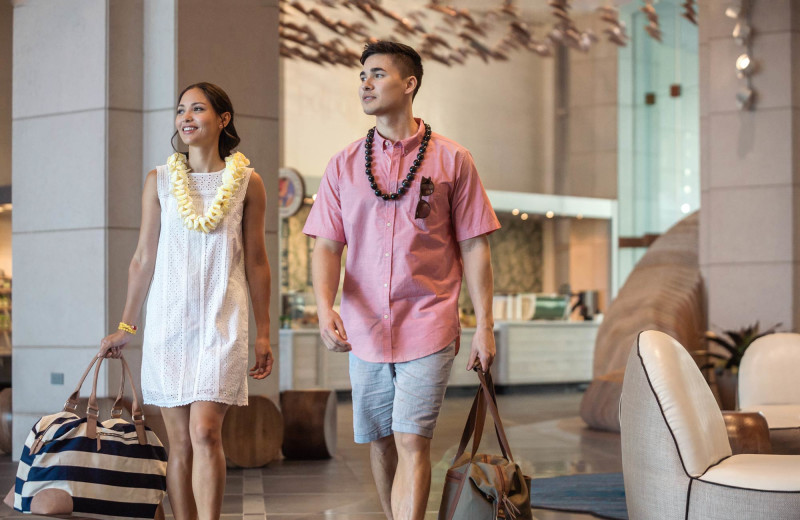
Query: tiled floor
{"points": [[545, 434]]}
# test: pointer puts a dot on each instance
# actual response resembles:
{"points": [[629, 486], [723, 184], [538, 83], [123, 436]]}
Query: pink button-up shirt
{"points": [[402, 275]]}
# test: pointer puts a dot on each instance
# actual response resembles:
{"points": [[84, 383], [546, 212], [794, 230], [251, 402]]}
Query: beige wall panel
{"points": [[60, 57], [125, 53], [741, 294], [125, 170], [751, 225], [59, 288], [59, 166], [751, 148], [209, 31]]}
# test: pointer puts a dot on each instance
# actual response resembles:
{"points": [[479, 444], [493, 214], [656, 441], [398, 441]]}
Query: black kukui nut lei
{"points": [[411, 171]]}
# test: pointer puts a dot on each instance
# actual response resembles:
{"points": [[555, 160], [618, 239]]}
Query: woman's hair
{"points": [[221, 103]]}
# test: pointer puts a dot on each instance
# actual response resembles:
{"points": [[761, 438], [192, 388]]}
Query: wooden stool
{"points": [[5, 420], [252, 434], [309, 424]]}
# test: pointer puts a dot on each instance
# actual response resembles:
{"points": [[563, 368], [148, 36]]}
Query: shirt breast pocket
{"points": [[433, 210]]}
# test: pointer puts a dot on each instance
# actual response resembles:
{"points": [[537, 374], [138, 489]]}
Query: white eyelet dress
{"points": [[195, 337]]}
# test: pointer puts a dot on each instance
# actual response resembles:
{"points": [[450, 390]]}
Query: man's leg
{"points": [[419, 391], [412, 481], [373, 395], [383, 459]]}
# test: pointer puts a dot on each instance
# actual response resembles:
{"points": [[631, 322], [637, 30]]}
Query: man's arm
{"points": [[477, 259], [326, 265]]}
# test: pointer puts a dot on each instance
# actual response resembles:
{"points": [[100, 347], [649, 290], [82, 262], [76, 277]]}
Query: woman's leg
{"points": [[208, 469], [179, 464]]}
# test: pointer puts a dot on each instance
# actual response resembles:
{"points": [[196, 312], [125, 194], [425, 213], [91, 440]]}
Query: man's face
{"points": [[384, 89]]}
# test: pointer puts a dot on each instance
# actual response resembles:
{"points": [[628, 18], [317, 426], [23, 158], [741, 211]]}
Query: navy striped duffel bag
{"points": [[79, 466]]}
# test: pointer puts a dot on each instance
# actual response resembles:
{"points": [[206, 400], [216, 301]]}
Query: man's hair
{"points": [[405, 57]]}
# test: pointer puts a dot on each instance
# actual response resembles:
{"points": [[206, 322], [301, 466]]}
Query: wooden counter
{"points": [[541, 352]]}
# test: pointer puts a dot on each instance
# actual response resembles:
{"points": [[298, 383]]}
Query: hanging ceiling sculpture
{"points": [[333, 32]]}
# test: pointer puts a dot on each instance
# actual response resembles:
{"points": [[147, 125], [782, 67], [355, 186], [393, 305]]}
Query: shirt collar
{"points": [[406, 145]]}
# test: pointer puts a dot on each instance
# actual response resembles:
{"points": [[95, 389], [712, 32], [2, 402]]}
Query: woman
{"points": [[202, 245]]}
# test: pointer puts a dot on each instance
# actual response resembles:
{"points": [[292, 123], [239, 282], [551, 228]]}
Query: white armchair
{"points": [[676, 457], [769, 383]]}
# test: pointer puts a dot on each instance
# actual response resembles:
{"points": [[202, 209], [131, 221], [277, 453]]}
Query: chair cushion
{"points": [[686, 402], [768, 372], [778, 416], [761, 472]]}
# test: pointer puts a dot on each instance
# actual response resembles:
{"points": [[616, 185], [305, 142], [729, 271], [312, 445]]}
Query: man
{"points": [[409, 205]]}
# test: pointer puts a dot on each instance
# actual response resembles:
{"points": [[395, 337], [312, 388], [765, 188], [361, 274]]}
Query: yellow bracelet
{"points": [[130, 329]]}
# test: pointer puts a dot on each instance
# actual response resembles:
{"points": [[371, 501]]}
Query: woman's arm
{"points": [[140, 272], [257, 270]]}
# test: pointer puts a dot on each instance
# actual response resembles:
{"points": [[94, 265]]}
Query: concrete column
{"points": [[749, 242], [77, 187], [92, 112]]}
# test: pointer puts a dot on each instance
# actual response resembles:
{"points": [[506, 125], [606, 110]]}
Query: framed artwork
{"points": [[291, 191]]}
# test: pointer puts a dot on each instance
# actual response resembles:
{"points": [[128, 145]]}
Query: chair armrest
{"points": [[748, 432]]}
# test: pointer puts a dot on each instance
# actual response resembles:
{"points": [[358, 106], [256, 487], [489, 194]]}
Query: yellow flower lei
{"points": [[235, 165]]}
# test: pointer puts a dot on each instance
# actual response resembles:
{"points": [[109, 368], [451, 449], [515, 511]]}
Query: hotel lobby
{"points": [[640, 156]]}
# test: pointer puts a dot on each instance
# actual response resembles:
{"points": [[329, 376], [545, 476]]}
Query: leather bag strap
{"points": [[92, 410], [485, 397], [491, 403], [72, 401]]}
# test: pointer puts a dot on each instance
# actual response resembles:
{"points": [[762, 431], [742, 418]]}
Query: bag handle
{"points": [[92, 410], [491, 403], [477, 417], [71, 404], [484, 398], [72, 401]]}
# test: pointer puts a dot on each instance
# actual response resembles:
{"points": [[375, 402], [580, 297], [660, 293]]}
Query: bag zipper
{"points": [[39, 441]]}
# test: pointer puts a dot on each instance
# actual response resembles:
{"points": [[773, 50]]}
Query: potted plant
{"points": [[726, 365]]}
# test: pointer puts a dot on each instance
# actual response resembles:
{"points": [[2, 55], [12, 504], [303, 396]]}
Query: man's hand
{"points": [[483, 349], [331, 329], [264, 359]]}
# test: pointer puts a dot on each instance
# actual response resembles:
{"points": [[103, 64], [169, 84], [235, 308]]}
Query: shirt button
{"points": [[385, 254], [388, 224], [385, 316], [386, 285]]}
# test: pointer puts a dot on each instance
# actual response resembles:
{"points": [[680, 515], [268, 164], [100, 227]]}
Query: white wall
{"points": [[6, 30], [498, 111]]}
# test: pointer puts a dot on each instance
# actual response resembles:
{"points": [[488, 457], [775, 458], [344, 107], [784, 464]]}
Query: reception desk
{"points": [[533, 352]]}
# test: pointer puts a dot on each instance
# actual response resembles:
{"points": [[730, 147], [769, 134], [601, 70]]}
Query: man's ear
{"points": [[411, 84]]}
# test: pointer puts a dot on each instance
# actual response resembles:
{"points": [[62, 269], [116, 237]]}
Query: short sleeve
{"points": [[471, 211], [325, 218]]}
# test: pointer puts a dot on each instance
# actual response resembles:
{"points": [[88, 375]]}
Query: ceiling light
{"points": [[549, 214], [734, 10], [524, 216], [686, 209], [745, 98], [744, 65], [742, 33], [515, 212]]}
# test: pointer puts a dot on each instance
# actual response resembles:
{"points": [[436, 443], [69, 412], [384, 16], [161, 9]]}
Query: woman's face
{"points": [[196, 121]]}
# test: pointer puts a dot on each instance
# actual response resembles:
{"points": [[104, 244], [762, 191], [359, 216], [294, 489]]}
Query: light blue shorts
{"points": [[399, 397]]}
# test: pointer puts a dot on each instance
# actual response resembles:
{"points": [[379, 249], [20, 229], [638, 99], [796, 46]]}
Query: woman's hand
{"points": [[264, 359], [111, 345]]}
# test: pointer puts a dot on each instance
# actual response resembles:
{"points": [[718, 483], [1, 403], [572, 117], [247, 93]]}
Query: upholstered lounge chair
{"points": [[676, 457], [769, 383]]}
